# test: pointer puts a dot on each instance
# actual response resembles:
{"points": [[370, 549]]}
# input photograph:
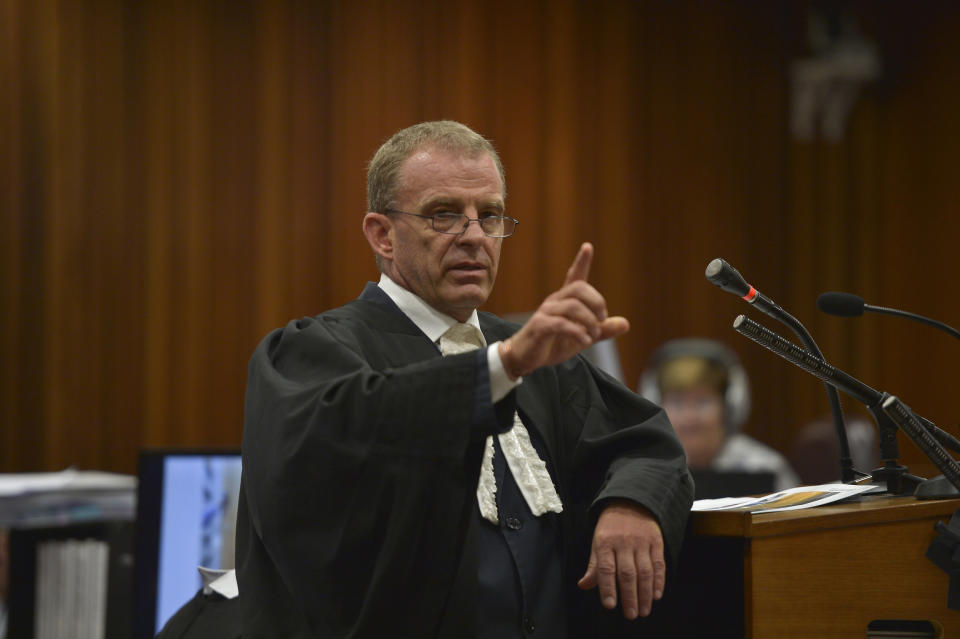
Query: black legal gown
{"points": [[361, 453]]}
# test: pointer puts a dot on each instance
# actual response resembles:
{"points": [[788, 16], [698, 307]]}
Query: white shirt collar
{"points": [[432, 322], [222, 582]]}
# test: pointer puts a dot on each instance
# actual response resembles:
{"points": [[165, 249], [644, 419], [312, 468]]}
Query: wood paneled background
{"points": [[179, 177]]}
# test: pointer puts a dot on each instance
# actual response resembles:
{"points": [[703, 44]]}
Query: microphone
{"points": [[903, 417], [850, 305], [729, 279], [924, 433], [806, 360], [720, 273], [841, 304], [829, 374]]}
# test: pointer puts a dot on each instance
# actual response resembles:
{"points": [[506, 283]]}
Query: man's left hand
{"points": [[627, 554]]}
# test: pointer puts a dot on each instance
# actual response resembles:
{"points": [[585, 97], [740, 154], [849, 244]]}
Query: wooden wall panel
{"points": [[10, 228], [874, 215], [180, 177]]}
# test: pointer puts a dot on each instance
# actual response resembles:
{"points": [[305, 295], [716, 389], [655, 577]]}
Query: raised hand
{"points": [[568, 321]]}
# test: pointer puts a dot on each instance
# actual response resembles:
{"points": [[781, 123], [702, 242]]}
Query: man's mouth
{"points": [[466, 269], [468, 266]]}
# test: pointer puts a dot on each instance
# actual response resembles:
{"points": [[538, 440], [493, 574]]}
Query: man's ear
{"points": [[379, 231]]}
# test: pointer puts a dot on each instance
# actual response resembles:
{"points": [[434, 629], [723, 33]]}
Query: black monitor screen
{"points": [[186, 515], [713, 484]]}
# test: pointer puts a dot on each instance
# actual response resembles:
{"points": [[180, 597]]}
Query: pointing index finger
{"points": [[580, 269]]}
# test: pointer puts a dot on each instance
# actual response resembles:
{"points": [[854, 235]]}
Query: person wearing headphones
{"points": [[705, 392]]}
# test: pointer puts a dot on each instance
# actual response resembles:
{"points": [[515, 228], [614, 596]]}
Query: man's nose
{"points": [[473, 232]]}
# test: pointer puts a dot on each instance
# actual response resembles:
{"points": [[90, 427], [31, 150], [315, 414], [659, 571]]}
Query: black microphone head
{"points": [[727, 277], [841, 304]]}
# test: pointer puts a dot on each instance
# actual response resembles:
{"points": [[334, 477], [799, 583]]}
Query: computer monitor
{"points": [[186, 516], [713, 484]]}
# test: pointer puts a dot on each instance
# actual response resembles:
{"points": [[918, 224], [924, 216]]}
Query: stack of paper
{"points": [[66, 497], [790, 499]]}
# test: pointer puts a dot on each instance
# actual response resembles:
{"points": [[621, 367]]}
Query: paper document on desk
{"points": [[790, 499], [65, 497]]}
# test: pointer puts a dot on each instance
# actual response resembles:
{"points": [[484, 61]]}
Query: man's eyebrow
{"points": [[440, 201], [496, 205]]}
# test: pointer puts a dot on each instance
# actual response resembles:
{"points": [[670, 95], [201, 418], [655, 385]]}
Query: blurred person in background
{"points": [[706, 394]]}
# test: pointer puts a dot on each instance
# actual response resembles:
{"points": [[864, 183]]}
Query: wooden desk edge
{"points": [[871, 509]]}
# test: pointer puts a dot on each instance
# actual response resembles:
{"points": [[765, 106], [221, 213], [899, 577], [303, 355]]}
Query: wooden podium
{"points": [[821, 572]]}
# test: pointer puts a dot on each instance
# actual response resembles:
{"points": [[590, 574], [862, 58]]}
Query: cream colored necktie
{"points": [[529, 471]]}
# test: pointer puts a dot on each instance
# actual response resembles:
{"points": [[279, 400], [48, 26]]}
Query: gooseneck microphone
{"points": [[720, 273], [850, 305], [928, 438]]}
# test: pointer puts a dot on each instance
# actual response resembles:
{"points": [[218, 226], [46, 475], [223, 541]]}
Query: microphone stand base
{"points": [[938, 487], [897, 479]]}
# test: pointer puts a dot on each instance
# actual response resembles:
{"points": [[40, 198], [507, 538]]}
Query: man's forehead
{"points": [[436, 160], [431, 173]]}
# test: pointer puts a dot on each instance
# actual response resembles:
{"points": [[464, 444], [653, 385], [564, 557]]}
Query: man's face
{"points": [[452, 273]]}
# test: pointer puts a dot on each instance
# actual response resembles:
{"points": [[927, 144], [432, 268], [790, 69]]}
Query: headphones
{"points": [[737, 398]]}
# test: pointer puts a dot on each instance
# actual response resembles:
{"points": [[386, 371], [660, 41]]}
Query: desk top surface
{"points": [[870, 509]]}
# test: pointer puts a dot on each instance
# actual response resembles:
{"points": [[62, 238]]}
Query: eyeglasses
{"points": [[457, 223]]}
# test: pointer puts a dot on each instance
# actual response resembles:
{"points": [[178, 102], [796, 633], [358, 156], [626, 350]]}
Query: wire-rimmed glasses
{"points": [[456, 223]]}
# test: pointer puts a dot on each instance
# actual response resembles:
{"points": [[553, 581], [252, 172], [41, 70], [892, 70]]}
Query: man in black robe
{"points": [[360, 511]]}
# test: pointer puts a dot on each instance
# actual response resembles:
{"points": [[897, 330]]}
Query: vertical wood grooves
{"points": [[177, 178]]}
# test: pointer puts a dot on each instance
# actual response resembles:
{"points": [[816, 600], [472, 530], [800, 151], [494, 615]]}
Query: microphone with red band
{"points": [[729, 279], [720, 273]]}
